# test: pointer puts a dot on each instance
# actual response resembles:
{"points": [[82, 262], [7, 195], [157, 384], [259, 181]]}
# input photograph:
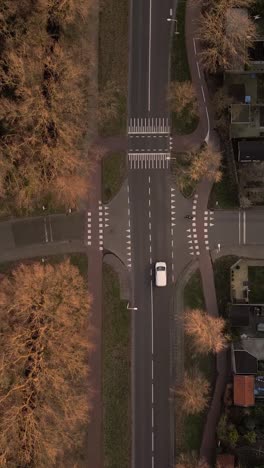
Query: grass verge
{"points": [[193, 292], [256, 284], [180, 70], [113, 59], [183, 182], [113, 174], [77, 259], [224, 194], [222, 282], [193, 424], [116, 374]]}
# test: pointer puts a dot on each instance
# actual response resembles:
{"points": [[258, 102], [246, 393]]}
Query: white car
{"points": [[161, 274]]}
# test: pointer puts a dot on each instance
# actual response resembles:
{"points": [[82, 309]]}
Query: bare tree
{"points": [[205, 163], [206, 331], [227, 34], [182, 99], [194, 393], [187, 460], [45, 340]]}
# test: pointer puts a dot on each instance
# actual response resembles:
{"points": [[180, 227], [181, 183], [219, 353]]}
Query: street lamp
{"points": [[131, 308], [174, 21]]}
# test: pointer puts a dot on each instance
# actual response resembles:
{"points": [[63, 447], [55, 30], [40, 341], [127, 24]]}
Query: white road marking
{"points": [[244, 227], [45, 229], [198, 69], [194, 46], [239, 223], [50, 229], [149, 76]]}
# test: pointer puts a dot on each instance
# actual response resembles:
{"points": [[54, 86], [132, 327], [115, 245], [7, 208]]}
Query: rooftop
{"points": [[244, 390], [225, 460], [251, 150], [244, 362]]}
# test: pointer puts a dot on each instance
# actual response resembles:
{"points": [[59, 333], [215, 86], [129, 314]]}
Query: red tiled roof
{"points": [[244, 390], [225, 460]]}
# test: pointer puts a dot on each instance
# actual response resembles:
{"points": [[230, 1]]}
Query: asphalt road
{"points": [[149, 152], [237, 228]]}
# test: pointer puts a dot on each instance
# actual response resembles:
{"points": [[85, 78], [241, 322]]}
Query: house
{"points": [[225, 460], [243, 362], [251, 151], [244, 386]]}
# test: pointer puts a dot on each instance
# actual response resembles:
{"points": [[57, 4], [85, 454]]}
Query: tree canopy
{"points": [[207, 331], [45, 340]]}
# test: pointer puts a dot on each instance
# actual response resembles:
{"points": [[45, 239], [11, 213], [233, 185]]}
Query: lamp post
{"points": [[131, 308], [173, 21]]}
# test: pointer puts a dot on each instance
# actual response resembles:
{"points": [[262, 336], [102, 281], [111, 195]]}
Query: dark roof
{"points": [[239, 315], [244, 390], [237, 91], [251, 150], [256, 53], [245, 363], [225, 460]]}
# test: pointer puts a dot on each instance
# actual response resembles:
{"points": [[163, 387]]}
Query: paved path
{"points": [[95, 451], [203, 133]]}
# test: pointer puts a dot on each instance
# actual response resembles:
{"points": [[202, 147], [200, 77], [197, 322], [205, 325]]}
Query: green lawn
{"points": [[193, 424], [193, 292], [113, 174], [256, 284], [222, 281], [224, 192], [78, 259], [180, 70], [113, 57], [116, 374]]}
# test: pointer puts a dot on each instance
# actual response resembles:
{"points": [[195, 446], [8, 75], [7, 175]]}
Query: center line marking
{"points": [[244, 227], [239, 221], [150, 12]]}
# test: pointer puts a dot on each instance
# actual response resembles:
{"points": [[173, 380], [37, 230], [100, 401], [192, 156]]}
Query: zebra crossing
{"points": [[149, 160], [148, 125]]}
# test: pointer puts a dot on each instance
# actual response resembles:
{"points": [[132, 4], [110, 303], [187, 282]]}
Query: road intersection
{"points": [[144, 223]]}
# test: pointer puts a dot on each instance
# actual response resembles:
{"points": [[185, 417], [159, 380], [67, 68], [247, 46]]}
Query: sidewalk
{"points": [[204, 133], [94, 439]]}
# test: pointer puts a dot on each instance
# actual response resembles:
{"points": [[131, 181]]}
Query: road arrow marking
{"points": [[173, 219], [191, 247], [211, 219], [191, 253], [189, 235], [128, 242], [188, 230], [173, 224], [190, 242], [211, 212], [173, 189], [211, 224], [106, 225]]}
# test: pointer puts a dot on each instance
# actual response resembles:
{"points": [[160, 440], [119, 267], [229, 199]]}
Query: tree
{"points": [[108, 103], [182, 99], [221, 104], [186, 460], [245, 202], [250, 437], [194, 393], [227, 432], [207, 331], [227, 33], [45, 340], [205, 163]]}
